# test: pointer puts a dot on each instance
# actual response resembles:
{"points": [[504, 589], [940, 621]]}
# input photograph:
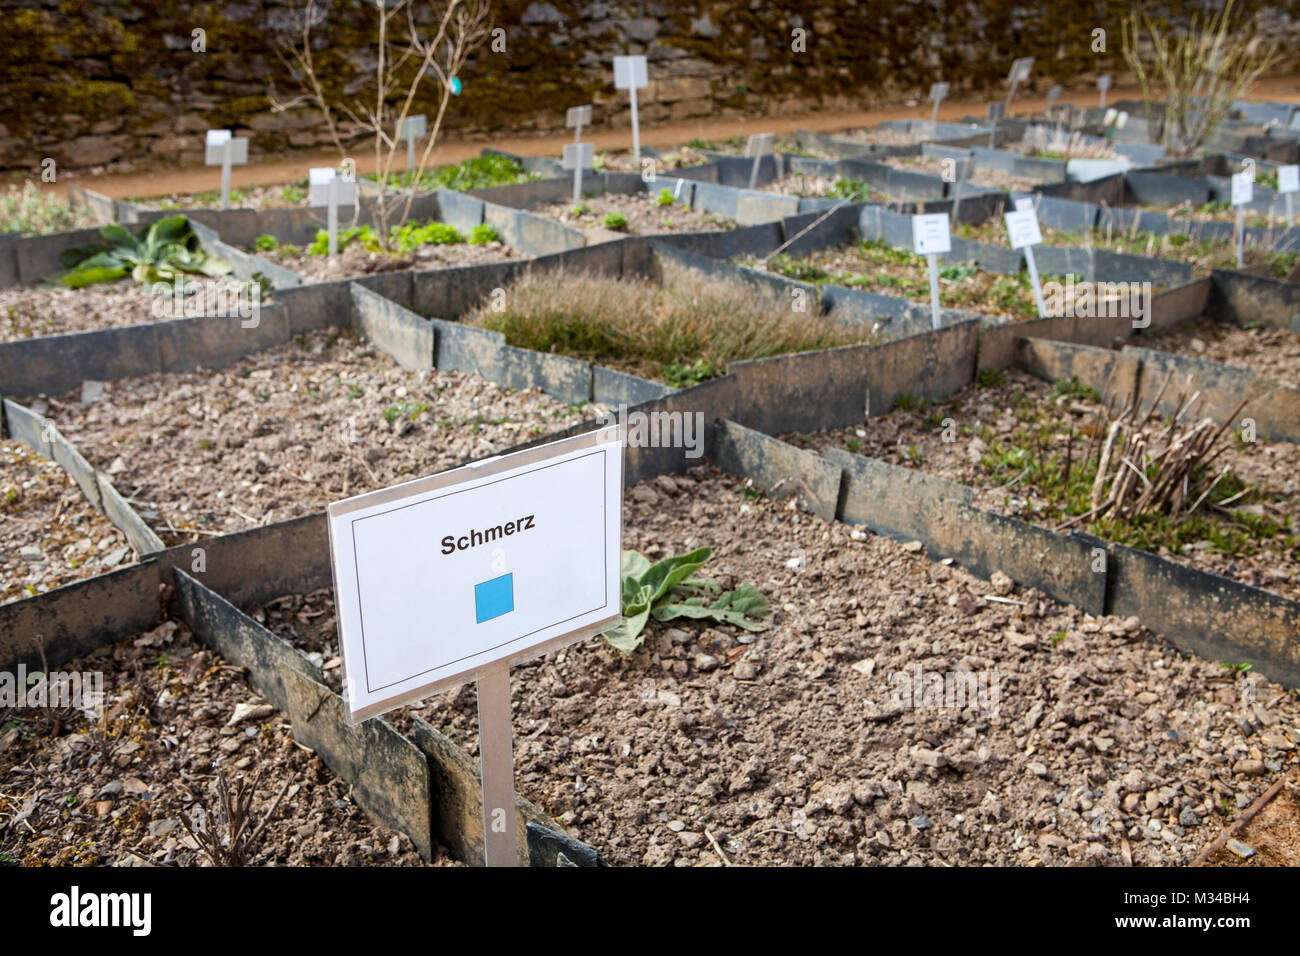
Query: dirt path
{"points": [[158, 182]]}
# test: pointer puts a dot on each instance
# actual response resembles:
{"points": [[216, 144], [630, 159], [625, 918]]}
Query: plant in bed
{"points": [[696, 323], [30, 212], [163, 251], [668, 590]]}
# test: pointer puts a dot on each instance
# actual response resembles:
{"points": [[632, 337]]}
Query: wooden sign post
{"points": [[457, 576], [630, 74], [225, 151]]}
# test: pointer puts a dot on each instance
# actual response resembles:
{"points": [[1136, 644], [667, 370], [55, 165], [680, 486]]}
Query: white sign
{"points": [[930, 234], [318, 185], [758, 144], [413, 127], [1243, 189], [577, 116], [579, 155], [1288, 179], [1022, 227], [1024, 202], [487, 564], [1054, 94], [938, 91], [1103, 82], [218, 142], [1020, 70], [630, 72]]}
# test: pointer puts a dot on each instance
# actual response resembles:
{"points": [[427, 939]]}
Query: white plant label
{"points": [[1288, 179], [579, 155], [1243, 189], [477, 567], [578, 116], [938, 91], [1024, 203], [630, 72], [1020, 70], [1022, 227], [930, 234], [218, 142], [319, 180]]}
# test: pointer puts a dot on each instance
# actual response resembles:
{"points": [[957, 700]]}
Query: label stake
{"points": [[497, 761]]}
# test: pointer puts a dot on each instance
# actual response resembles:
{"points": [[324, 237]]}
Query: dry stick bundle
{"points": [[1144, 468]]}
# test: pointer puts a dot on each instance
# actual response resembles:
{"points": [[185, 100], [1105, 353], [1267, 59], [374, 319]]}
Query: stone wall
{"points": [[116, 82]]}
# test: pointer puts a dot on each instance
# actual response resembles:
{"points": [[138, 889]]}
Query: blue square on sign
{"points": [[494, 598]]}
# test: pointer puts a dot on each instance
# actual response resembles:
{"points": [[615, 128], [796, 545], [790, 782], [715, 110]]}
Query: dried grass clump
{"points": [[692, 323]]}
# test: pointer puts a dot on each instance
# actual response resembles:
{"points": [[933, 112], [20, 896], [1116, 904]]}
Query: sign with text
{"points": [[481, 566], [1022, 227], [930, 234], [577, 116]]}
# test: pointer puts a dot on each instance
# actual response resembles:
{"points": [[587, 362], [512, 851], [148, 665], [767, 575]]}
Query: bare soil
{"points": [[645, 216], [41, 507], [797, 747], [983, 175], [284, 432], [242, 197], [112, 787], [355, 260], [991, 420], [1273, 353], [33, 311]]}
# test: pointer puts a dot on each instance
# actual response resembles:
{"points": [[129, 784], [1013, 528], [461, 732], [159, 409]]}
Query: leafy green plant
{"points": [[698, 143], [160, 252], [666, 590], [683, 375], [295, 192], [665, 197], [265, 243], [615, 220], [412, 235], [581, 209], [364, 234], [34, 213], [483, 234]]}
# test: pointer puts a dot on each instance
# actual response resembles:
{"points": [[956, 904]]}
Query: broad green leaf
{"points": [[84, 277], [661, 577], [119, 236], [167, 229], [627, 634], [633, 564], [745, 607]]}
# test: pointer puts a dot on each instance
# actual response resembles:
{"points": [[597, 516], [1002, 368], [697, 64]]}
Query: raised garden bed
{"points": [[792, 747], [284, 432], [50, 534], [1274, 353], [1202, 253], [112, 790], [1009, 436], [611, 215], [874, 266], [356, 257], [285, 196]]}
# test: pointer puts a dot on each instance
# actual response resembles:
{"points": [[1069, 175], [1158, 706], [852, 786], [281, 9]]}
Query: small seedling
{"points": [[615, 221]]}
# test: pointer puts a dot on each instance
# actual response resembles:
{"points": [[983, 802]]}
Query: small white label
{"points": [[577, 116], [1024, 203], [938, 91], [579, 155], [318, 187], [930, 234], [758, 145], [218, 137], [413, 127], [1288, 179], [1243, 189], [629, 72], [1020, 69], [1022, 227], [1103, 82]]}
